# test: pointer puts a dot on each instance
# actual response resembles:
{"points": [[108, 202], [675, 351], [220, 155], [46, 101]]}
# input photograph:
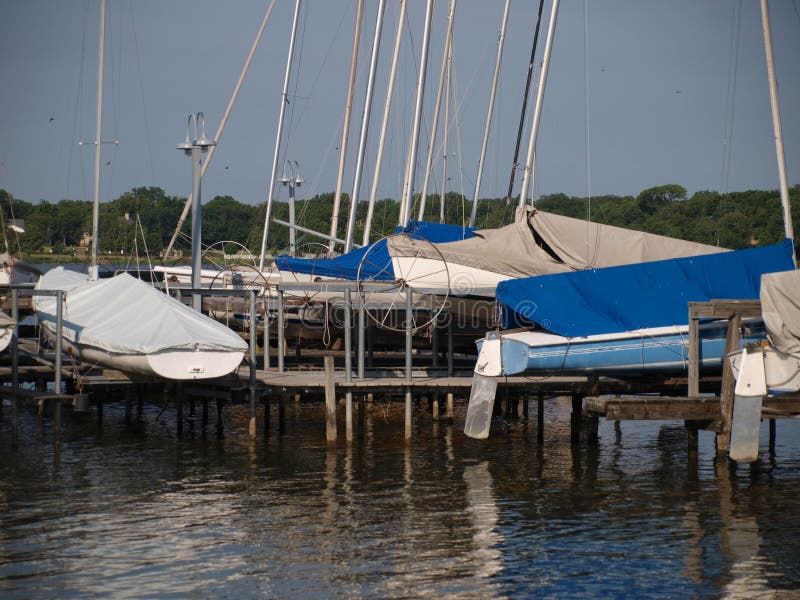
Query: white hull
{"points": [[428, 274], [125, 324], [179, 365]]}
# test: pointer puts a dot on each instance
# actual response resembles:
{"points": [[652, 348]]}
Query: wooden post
{"points": [[57, 423], [179, 418], [204, 417], [266, 415], [220, 424], [540, 419], [435, 406], [361, 416], [772, 434], [330, 400], [592, 437], [450, 410], [282, 414], [728, 384], [694, 356], [575, 418], [98, 400], [408, 420], [692, 437]]}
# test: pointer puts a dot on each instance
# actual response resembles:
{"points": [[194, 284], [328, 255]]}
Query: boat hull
{"points": [[662, 350], [180, 365]]}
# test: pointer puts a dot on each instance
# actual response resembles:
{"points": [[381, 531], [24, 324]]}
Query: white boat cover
{"points": [[125, 315], [780, 308], [6, 320], [521, 248]]}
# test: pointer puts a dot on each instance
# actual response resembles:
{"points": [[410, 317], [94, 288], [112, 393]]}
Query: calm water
{"points": [[130, 511]]}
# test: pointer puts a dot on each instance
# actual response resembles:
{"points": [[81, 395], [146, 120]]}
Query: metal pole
{"points": [[266, 332], [348, 338], [437, 106], [385, 124], [417, 115], [443, 191], [776, 122], [348, 109], [450, 345], [187, 205], [59, 329], [197, 235], [548, 48], [15, 344], [408, 333], [361, 328], [281, 332], [98, 141], [292, 230], [253, 335], [500, 43], [373, 67], [284, 102]]}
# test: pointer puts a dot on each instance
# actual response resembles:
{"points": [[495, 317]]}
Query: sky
{"points": [[672, 92]]}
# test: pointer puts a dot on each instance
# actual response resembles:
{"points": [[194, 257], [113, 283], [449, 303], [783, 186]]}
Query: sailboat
{"points": [[536, 243], [625, 321], [126, 324]]}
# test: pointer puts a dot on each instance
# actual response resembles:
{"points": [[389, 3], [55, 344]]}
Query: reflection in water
{"points": [[483, 508], [135, 512]]}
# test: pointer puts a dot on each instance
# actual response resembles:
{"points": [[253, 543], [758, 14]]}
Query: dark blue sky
{"points": [[659, 75]]}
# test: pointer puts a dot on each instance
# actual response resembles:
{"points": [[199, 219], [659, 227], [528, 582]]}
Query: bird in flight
{"points": [[108, 162], [52, 119]]}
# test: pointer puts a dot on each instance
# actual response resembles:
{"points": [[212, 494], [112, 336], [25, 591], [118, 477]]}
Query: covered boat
{"points": [[126, 324], [625, 320], [537, 243]]}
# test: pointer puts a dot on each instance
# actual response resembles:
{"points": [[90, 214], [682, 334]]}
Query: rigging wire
{"points": [[141, 92], [730, 106], [77, 120]]}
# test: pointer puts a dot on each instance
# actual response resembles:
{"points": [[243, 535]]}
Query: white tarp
{"points": [[127, 316], [780, 308], [521, 248]]}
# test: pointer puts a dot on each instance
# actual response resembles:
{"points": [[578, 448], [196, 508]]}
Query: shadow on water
{"points": [[133, 510]]}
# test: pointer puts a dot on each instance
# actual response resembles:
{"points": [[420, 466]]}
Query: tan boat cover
{"points": [[780, 307], [519, 249]]}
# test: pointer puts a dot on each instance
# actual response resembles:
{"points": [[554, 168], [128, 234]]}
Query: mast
{"points": [[437, 105], [373, 67], [97, 142], [284, 102], [515, 162], [412, 155], [500, 43], [443, 191], [548, 48], [386, 109], [337, 197], [776, 122], [221, 127]]}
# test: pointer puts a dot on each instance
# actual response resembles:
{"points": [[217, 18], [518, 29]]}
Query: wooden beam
{"points": [[728, 384]]}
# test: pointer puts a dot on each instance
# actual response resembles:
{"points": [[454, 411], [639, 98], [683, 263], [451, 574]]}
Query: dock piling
{"points": [[728, 384], [330, 399]]}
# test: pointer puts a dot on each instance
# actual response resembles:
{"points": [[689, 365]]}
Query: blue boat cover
{"points": [[653, 294], [378, 265]]}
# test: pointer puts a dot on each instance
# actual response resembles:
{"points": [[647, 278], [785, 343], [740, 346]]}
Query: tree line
{"points": [[146, 217]]}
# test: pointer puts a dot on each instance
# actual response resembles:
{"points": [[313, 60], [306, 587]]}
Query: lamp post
{"points": [[195, 149], [291, 177]]}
